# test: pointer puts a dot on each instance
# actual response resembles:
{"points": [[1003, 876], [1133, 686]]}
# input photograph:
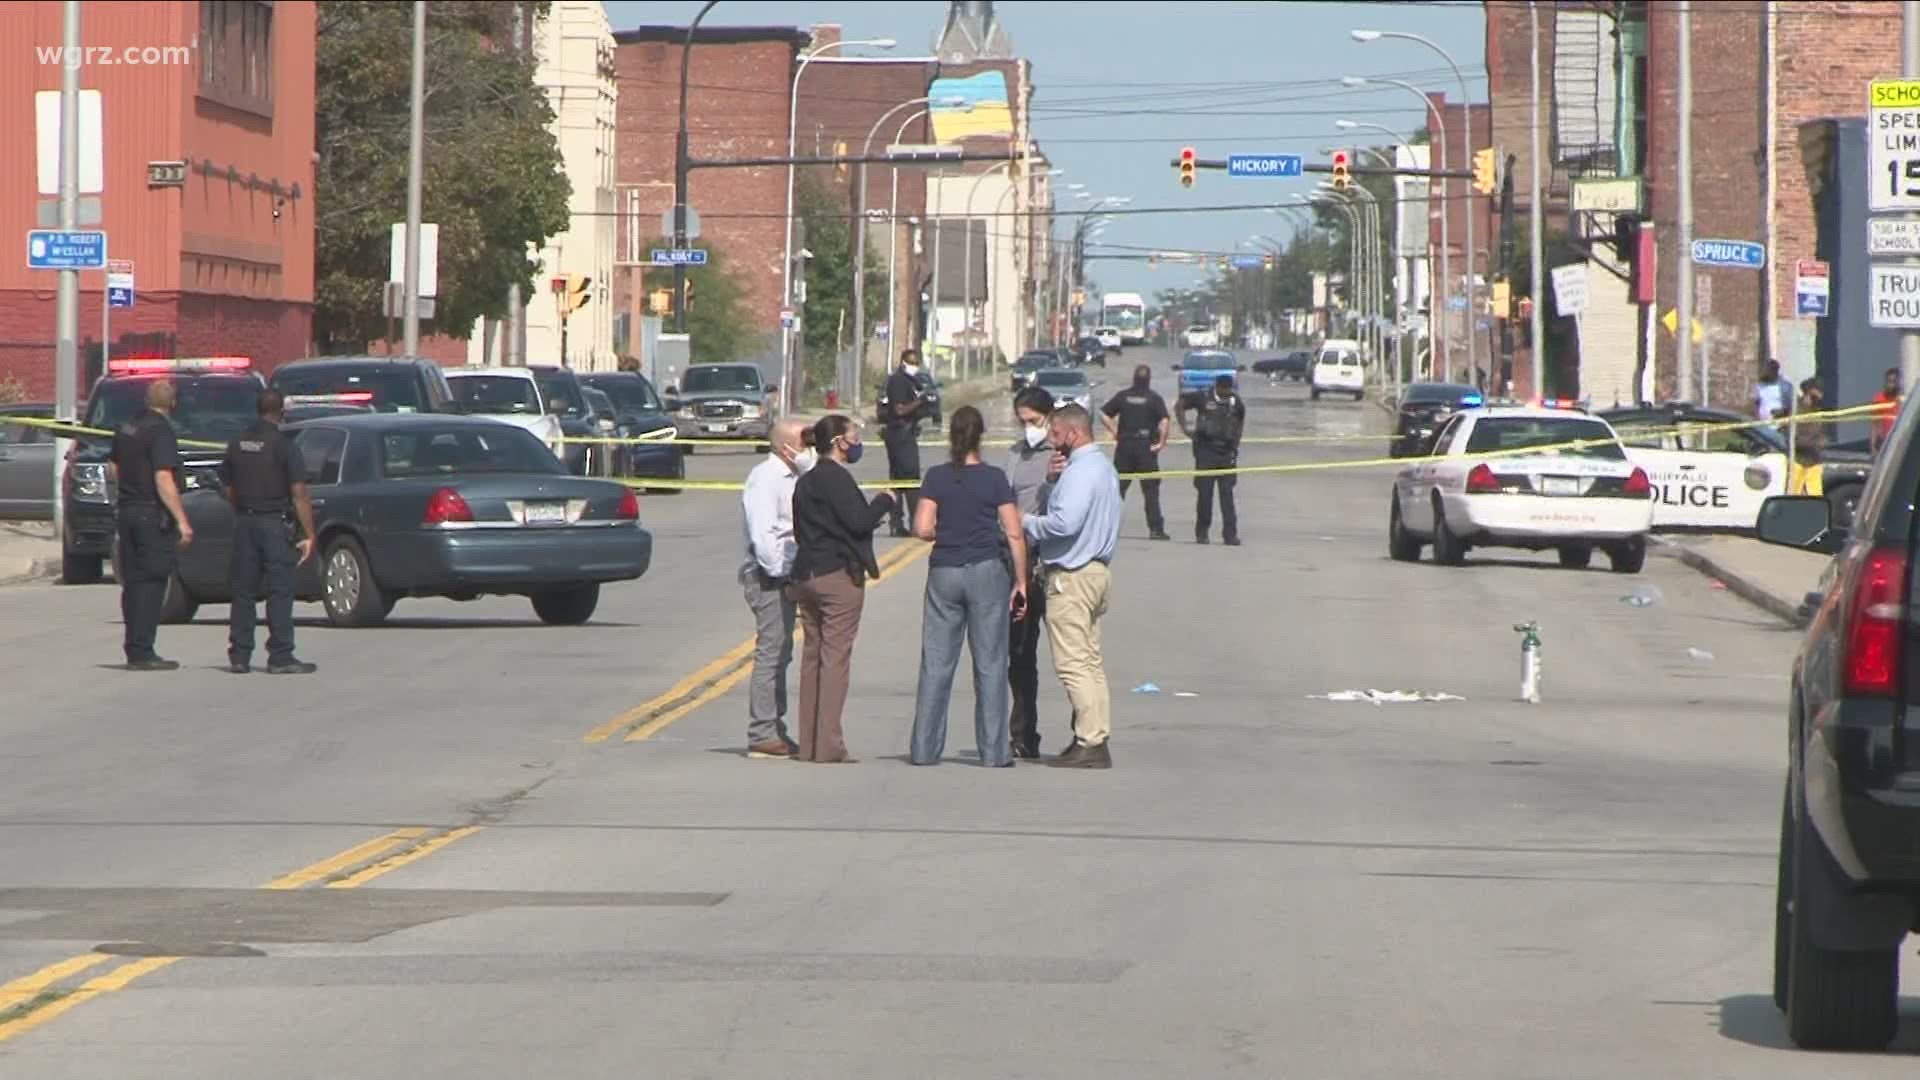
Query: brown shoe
{"points": [[772, 749], [1082, 756]]}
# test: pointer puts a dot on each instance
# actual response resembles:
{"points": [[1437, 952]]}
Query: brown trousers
{"points": [[829, 608]]}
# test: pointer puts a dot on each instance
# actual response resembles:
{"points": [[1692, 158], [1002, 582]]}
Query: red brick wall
{"points": [[1729, 186], [737, 108], [1829, 51], [270, 332]]}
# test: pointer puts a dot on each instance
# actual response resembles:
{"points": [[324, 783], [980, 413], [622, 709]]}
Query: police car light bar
{"points": [[129, 365], [1562, 403]]}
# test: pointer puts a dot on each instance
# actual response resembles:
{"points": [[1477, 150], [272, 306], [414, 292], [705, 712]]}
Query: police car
{"points": [[1533, 477]]}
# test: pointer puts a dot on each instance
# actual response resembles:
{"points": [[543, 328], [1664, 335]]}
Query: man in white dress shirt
{"points": [[767, 525]]}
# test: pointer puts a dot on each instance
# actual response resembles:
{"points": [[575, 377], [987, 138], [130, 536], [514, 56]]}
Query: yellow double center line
{"points": [[349, 869], [723, 673]]}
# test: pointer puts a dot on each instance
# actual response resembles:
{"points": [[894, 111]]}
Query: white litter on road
{"points": [[1146, 688], [1385, 697], [1701, 655], [1185, 693]]}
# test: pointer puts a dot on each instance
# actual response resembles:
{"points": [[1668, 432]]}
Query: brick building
{"points": [[740, 90], [223, 264], [1457, 199]]}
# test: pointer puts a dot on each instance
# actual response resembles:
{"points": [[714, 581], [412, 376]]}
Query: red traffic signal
{"points": [[1341, 178], [1186, 167]]}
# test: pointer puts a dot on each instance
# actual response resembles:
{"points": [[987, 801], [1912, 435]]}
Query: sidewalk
{"points": [[27, 551], [1774, 578]]}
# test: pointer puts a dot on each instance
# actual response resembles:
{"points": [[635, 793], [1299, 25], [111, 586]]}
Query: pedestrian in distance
{"points": [[151, 522], [1887, 410], [976, 586], [901, 409], [766, 520], [833, 527], [1809, 439], [1219, 421], [1773, 394], [1029, 465], [1074, 540], [1137, 420], [266, 483]]}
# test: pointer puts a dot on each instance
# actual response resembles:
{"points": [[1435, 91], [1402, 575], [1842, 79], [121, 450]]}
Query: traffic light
{"points": [[1502, 299], [689, 292], [1268, 262], [660, 301], [839, 160], [1341, 180], [1186, 167], [1483, 168], [576, 295]]}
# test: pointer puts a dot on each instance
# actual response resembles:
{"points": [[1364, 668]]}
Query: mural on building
{"points": [[970, 107]]}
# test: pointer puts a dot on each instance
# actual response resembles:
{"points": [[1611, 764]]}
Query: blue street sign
{"points": [[679, 257], [1248, 262], [1741, 254], [1263, 165], [1456, 303], [56, 249], [120, 296]]}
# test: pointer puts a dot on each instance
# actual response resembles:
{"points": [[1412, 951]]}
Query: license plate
{"points": [[1560, 485], [716, 429], [546, 513]]}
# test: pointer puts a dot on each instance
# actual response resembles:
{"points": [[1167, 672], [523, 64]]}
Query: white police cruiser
{"points": [[1534, 477]]}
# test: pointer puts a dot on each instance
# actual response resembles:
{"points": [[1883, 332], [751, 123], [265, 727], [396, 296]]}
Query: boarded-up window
{"points": [[236, 53]]}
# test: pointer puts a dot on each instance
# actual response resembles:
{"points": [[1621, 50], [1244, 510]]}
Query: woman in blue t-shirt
{"points": [[976, 581]]}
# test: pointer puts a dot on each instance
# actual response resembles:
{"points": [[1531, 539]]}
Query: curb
{"points": [[1745, 588], [37, 570]]}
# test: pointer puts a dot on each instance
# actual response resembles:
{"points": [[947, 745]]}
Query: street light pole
{"points": [[66, 354], [966, 264], [410, 263], [680, 170], [1536, 258], [1466, 158], [1683, 308], [1436, 297], [893, 236]]}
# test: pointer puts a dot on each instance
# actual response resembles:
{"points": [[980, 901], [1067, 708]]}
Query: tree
{"points": [[827, 318], [494, 180], [715, 319]]}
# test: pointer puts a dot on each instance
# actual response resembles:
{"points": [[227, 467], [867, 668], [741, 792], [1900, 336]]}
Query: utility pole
{"points": [[1910, 68], [680, 170], [66, 354], [1506, 275], [1535, 242], [1683, 257], [410, 272]]}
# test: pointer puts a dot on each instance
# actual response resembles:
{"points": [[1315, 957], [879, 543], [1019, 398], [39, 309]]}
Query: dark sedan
{"points": [[432, 505], [644, 416], [1029, 363], [1296, 365], [1423, 409]]}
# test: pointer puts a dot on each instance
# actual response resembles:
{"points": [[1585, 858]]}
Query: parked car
{"points": [[1294, 366], [1424, 408], [1031, 361], [388, 384], [1848, 880], [430, 505], [1090, 350], [560, 389], [643, 416], [1109, 337], [218, 399], [26, 465], [721, 401], [1337, 370], [510, 395], [1069, 386], [1200, 369]]}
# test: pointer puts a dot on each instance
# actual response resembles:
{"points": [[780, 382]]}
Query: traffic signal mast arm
{"points": [[1352, 169]]}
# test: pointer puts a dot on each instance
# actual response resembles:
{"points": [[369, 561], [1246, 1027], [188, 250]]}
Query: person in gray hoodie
{"points": [[1030, 468]]}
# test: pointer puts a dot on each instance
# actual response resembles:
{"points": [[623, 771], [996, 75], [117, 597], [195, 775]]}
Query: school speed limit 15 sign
{"points": [[1893, 134]]}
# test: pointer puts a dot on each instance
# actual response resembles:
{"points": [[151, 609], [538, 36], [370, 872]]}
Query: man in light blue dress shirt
{"points": [[766, 522], [1073, 543]]}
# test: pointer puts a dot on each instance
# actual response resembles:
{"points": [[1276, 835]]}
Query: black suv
{"points": [[1423, 410], [1849, 880], [217, 400], [383, 383]]}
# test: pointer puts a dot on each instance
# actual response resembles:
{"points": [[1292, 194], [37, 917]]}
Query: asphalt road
{"points": [[477, 846]]}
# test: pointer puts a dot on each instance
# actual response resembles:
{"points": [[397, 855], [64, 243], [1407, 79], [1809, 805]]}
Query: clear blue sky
{"points": [[1119, 88]]}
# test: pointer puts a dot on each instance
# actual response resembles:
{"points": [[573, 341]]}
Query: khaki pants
{"points": [[1076, 602], [829, 608]]}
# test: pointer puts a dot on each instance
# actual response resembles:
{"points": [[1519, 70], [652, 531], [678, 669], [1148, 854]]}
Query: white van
{"points": [[1337, 370]]}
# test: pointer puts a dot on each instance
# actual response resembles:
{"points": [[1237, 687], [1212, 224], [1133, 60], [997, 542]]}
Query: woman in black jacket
{"points": [[833, 526]]}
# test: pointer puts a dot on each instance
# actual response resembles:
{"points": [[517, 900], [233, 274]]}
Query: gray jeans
{"points": [[772, 655], [966, 600]]}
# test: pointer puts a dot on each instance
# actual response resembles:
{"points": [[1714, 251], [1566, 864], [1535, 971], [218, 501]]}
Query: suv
{"points": [[385, 383], [1849, 869], [218, 399], [721, 401]]}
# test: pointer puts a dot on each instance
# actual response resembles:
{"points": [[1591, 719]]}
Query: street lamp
{"points": [[1437, 299], [1466, 155], [852, 385], [993, 300], [893, 234], [786, 250]]}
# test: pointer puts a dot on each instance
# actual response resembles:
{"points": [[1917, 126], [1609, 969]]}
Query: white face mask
{"points": [[910, 369], [805, 460], [1036, 436]]}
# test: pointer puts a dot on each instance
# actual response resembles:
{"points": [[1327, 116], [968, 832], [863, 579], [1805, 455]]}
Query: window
{"points": [[1715, 438], [433, 452], [23, 435], [236, 54], [321, 452], [1443, 443], [1500, 434]]}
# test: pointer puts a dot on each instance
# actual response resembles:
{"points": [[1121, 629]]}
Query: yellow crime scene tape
{"points": [[62, 427]]}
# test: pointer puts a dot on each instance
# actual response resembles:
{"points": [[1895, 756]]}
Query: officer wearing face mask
{"points": [[900, 411], [1028, 464], [1137, 419]]}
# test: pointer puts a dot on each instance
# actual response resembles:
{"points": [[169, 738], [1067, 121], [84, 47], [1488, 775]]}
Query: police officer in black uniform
{"points": [[150, 520], [1137, 419], [900, 413], [1220, 420], [265, 482]]}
